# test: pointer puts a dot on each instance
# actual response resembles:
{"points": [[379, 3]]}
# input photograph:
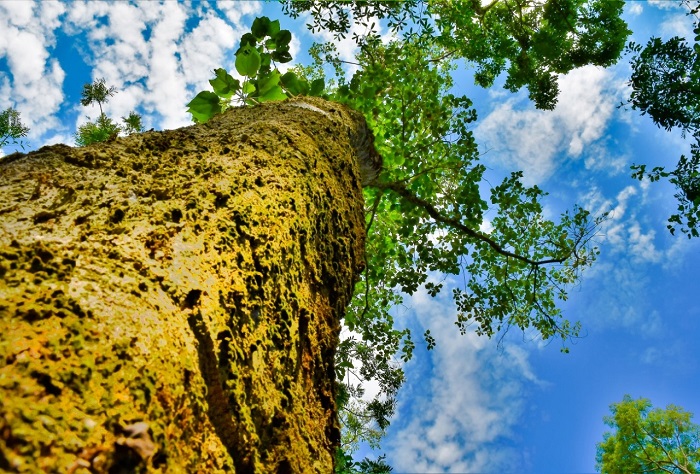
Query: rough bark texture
{"points": [[171, 301]]}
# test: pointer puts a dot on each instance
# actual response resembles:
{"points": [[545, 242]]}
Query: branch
{"points": [[456, 224], [481, 10]]}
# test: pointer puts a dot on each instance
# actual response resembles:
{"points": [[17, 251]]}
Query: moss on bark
{"points": [[171, 301]]}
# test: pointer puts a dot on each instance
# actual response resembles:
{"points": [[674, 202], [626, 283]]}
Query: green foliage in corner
{"points": [[256, 60], [648, 440]]}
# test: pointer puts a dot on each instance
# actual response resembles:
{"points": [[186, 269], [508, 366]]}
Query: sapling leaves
{"points": [[256, 57], [224, 84], [204, 106], [317, 87], [247, 61], [104, 128]]}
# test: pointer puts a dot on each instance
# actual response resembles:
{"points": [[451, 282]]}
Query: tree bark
{"points": [[171, 301]]}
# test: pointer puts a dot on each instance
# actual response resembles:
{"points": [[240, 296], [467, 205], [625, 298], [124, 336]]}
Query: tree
{"points": [[429, 186], [665, 84], [104, 128], [648, 440], [11, 127]]}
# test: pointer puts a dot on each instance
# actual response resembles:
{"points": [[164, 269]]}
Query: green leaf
{"points": [[293, 84], [273, 94], [281, 56], [261, 27], [247, 61], [224, 84], [317, 87], [265, 61], [248, 40], [268, 82], [248, 87], [283, 37], [271, 44], [274, 28], [204, 106]]}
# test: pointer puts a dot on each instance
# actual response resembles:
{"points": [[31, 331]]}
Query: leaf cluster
{"points": [[424, 214], [344, 464], [259, 52]]}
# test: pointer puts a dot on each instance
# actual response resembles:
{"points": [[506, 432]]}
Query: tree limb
{"points": [[402, 191]]}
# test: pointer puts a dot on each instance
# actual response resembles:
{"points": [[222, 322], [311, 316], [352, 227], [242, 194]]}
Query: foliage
{"points": [[648, 440], [344, 464], [100, 130], [256, 59], [104, 128], [97, 92], [11, 128], [424, 214], [132, 123], [531, 41], [666, 85]]}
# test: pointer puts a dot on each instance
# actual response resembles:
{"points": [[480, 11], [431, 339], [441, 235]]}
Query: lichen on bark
{"points": [[171, 301]]}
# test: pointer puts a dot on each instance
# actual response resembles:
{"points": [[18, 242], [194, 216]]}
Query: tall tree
{"points": [[649, 440], [665, 85]]}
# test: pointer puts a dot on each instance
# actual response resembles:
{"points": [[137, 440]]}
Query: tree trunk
{"points": [[171, 301]]}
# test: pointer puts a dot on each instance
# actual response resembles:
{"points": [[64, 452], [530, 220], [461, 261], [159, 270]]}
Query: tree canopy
{"points": [[648, 440], [531, 41]]}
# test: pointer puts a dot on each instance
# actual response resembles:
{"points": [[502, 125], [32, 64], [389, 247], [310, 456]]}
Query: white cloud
{"points": [[664, 4], [235, 11], [641, 245], [145, 51], [464, 413], [601, 157], [677, 25], [635, 8], [539, 141], [26, 37], [151, 57], [623, 232]]}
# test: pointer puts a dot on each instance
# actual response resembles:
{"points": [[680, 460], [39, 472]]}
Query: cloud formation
{"points": [[465, 409], [539, 142], [156, 54], [26, 38]]}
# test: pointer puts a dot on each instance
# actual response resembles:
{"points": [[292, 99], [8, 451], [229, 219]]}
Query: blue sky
{"points": [[469, 405]]}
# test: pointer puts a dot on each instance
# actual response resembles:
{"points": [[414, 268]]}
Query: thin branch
{"points": [[456, 224]]}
